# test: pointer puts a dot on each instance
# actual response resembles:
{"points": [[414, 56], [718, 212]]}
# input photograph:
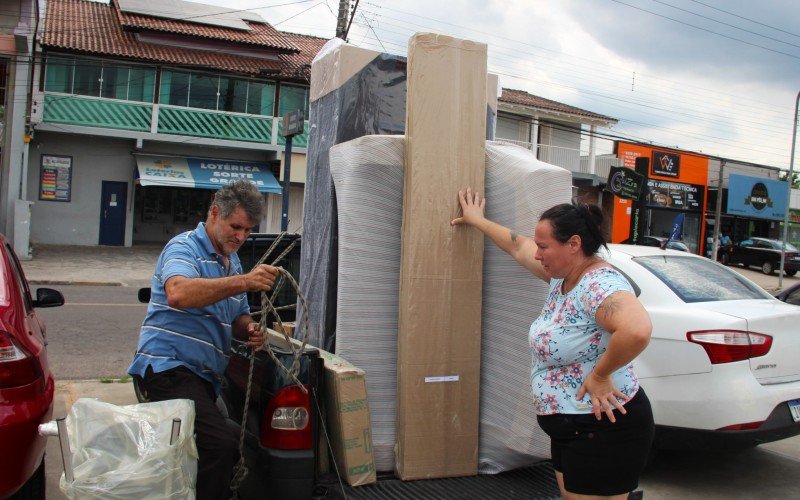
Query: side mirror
{"points": [[144, 295], [47, 297]]}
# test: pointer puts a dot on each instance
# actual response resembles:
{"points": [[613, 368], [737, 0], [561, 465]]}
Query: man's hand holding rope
{"points": [[256, 336]]}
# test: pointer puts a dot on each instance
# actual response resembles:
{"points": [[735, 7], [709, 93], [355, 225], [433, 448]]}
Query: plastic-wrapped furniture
{"points": [[138, 452]]}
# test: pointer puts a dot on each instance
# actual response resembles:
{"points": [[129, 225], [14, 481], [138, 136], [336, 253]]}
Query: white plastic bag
{"points": [[123, 452]]}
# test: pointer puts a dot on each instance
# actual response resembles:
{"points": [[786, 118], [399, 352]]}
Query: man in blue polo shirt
{"points": [[198, 303]]}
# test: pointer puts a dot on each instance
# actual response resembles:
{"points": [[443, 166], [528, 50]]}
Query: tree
{"points": [[795, 178]]}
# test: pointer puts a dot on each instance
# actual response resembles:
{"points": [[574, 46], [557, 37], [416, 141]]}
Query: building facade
{"points": [[139, 113], [17, 27]]}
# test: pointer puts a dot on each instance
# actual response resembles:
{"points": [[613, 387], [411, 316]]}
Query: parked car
{"points": [[790, 295], [26, 384], [721, 369], [658, 241], [765, 254]]}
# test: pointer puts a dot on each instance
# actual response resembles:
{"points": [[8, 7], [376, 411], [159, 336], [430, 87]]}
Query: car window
{"points": [[764, 244], [700, 280], [746, 243], [794, 298], [789, 247], [23, 285]]}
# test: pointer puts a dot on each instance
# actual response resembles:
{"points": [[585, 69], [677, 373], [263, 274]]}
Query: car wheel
{"points": [[34, 488], [791, 273], [725, 259], [141, 392], [767, 267]]}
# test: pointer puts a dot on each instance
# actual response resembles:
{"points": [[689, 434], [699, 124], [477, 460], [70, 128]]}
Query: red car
{"points": [[26, 384]]}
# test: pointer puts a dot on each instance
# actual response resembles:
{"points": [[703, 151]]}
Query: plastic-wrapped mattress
{"points": [[368, 177]]}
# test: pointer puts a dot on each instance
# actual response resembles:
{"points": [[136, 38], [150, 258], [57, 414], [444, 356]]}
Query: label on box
{"points": [[446, 378]]}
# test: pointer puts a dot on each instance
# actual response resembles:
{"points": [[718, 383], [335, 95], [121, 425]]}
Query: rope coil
{"points": [[241, 470]]}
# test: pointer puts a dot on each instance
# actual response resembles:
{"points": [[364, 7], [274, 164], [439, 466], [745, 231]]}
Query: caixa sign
{"points": [[757, 197]]}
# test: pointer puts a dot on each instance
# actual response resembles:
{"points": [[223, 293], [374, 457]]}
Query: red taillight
{"points": [[287, 421], [742, 427], [17, 367], [726, 346]]}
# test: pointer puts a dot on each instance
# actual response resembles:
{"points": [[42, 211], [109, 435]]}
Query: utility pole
{"points": [[717, 213], [341, 20], [789, 179]]}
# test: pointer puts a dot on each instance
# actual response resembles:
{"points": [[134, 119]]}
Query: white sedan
{"points": [[723, 367]]}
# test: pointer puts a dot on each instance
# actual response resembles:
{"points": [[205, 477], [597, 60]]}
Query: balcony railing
{"points": [[96, 112], [214, 124], [571, 159], [165, 119]]}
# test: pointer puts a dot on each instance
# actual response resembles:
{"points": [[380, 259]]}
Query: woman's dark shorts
{"points": [[598, 457]]}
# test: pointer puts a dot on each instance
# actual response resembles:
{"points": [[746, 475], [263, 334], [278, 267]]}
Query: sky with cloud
{"points": [[714, 76]]}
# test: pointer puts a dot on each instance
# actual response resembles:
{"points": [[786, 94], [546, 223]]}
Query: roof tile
{"points": [[95, 28], [259, 34], [522, 98]]}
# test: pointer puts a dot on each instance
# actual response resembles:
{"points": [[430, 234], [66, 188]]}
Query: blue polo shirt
{"points": [[198, 338]]}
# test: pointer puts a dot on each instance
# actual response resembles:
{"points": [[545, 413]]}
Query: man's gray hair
{"points": [[240, 194]]}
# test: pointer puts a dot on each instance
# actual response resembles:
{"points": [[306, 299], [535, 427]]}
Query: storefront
{"points": [[793, 235], [87, 191], [677, 184], [173, 193], [754, 207]]}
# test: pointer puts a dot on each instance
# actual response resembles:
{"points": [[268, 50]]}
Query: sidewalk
{"points": [[91, 266]]}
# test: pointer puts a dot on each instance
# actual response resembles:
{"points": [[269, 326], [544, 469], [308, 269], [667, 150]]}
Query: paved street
{"points": [[94, 335]]}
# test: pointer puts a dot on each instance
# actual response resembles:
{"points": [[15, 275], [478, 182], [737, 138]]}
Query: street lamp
{"points": [[789, 194]]}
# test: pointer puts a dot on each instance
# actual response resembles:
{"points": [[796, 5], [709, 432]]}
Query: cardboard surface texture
{"points": [[439, 320], [347, 410]]}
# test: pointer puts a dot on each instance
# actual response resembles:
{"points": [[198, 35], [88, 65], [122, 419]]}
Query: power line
{"points": [[744, 18], [706, 30], [724, 23]]}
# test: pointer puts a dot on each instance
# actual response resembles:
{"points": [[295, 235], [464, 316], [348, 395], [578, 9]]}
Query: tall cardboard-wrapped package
{"points": [[439, 325], [354, 92]]}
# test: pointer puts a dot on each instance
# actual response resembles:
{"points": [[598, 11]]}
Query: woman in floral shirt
{"points": [[590, 329]]}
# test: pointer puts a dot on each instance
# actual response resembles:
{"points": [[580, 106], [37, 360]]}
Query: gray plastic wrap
{"points": [[124, 452], [368, 174], [354, 92]]}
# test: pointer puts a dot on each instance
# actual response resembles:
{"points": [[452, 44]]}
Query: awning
{"points": [[202, 173]]}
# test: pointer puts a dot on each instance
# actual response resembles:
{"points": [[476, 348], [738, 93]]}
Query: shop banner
{"points": [[676, 195], [203, 173], [666, 164], [625, 183], [55, 178], [757, 197]]}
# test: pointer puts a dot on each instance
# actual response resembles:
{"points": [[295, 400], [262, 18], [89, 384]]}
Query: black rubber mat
{"points": [[536, 482]]}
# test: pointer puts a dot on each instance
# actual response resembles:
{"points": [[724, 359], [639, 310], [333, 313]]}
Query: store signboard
{"points": [[203, 173], [625, 183], [757, 197], [676, 195], [666, 164], [55, 178]]}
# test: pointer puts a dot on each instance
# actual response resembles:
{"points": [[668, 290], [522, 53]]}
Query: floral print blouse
{"points": [[566, 343]]}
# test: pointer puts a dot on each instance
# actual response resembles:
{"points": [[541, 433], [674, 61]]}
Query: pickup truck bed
{"points": [[290, 474], [537, 481]]}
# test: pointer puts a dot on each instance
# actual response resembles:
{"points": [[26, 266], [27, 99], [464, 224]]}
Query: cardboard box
{"points": [[439, 325], [288, 327], [347, 411]]}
